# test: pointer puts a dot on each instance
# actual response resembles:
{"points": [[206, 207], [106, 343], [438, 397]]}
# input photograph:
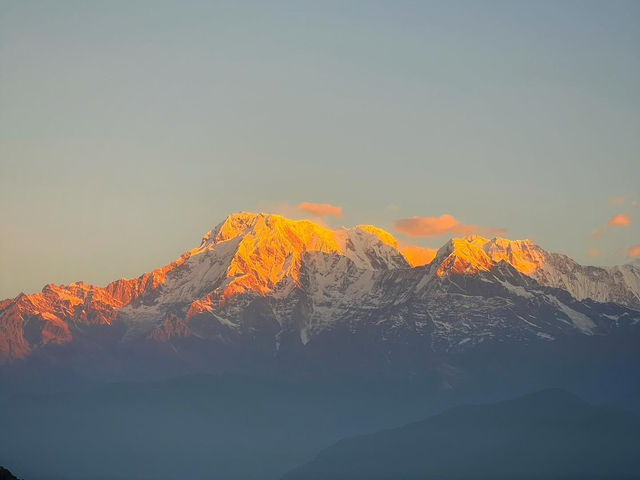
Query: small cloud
{"points": [[321, 209], [284, 209], [436, 226], [623, 200], [593, 253], [634, 251], [417, 256], [620, 220]]}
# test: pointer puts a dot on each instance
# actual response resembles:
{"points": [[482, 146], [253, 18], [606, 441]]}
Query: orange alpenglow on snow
{"points": [[84, 303], [475, 254], [384, 236], [270, 249], [523, 255]]}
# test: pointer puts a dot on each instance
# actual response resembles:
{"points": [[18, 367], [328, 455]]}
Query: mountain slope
{"points": [[246, 254], [546, 435], [262, 290], [48, 317], [620, 284]]}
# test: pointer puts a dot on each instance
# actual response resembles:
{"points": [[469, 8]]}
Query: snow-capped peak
{"points": [[473, 254]]}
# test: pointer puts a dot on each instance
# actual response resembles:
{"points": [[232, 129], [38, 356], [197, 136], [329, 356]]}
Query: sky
{"points": [[129, 129]]}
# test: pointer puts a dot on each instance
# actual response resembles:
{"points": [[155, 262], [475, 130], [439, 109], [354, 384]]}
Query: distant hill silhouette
{"points": [[546, 435], [200, 427], [7, 475]]}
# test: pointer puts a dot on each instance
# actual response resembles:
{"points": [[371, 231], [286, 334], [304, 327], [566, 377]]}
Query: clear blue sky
{"points": [[128, 129]]}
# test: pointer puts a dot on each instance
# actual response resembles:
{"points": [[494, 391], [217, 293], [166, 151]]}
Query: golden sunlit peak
{"points": [[237, 223], [383, 235], [463, 255], [267, 249], [474, 239], [507, 241], [474, 253], [233, 225], [523, 255]]}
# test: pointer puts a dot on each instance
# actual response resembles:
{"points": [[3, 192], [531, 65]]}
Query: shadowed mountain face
{"points": [[546, 435]]}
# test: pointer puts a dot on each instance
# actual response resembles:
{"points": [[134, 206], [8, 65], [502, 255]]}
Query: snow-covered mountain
{"points": [[263, 288], [619, 284]]}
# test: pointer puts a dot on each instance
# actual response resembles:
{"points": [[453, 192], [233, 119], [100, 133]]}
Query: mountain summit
{"points": [[262, 287], [475, 254], [269, 249]]}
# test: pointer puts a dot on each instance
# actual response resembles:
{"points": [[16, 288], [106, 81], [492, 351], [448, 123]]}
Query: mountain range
{"points": [[265, 292], [275, 338]]}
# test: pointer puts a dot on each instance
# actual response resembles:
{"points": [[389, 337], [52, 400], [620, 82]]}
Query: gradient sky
{"points": [[129, 129]]}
